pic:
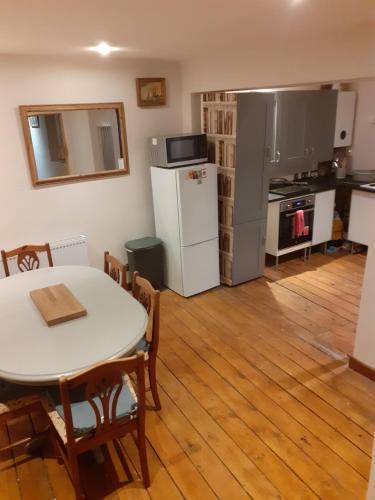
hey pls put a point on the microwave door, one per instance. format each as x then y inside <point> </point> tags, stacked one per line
<point>186,150</point>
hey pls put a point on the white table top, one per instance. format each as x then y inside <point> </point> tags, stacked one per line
<point>33,353</point>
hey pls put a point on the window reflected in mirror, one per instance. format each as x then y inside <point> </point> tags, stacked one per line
<point>75,141</point>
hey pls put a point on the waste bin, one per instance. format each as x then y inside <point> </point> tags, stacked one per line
<point>145,255</point>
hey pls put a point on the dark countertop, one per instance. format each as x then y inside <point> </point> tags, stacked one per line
<point>348,181</point>
<point>321,184</point>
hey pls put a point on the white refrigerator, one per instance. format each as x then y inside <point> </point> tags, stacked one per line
<point>186,220</point>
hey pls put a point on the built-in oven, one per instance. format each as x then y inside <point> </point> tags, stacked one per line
<point>296,221</point>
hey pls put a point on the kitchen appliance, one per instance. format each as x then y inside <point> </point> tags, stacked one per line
<point>363,175</point>
<point>178,150</point>
<point>340,166</point>
<point>288,210</point>
<point>345,112</point>
<point>186,220</point>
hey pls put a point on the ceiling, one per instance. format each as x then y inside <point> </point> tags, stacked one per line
<point>174,29</point>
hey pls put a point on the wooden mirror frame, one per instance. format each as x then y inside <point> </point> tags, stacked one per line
<point>25,111</point>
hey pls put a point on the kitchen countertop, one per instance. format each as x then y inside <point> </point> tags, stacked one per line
<point>321,184</point>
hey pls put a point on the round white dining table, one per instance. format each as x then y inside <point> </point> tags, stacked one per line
<point>33,353</point>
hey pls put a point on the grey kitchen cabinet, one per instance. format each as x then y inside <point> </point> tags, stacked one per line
<point>321,126</point>
<point>291,143</point>
<point>253,147</point>
<point>254,134</point>
<point>304,130</point>
<point>249,241</point>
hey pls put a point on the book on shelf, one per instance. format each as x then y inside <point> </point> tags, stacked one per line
<point>218,97</point>
<point>211,152</point>
<point>227,154</point>
<point>226,240</point>
<point>225,264</point>
<point>219,121</point>
<point>225,213</point>
<point>225,185</point>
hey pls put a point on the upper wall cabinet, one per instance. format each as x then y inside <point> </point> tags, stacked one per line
<point>304,130</point>
<point>345,119</point>
<point>75,141</point>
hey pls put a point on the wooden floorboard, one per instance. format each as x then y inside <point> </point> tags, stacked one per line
<point>258,372</point>
<point>257,399</point>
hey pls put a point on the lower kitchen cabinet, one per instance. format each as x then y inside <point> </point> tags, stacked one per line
<point>249,240</point>
<point>361,217</point>
<point>323,217</point>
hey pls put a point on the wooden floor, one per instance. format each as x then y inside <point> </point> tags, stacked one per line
<point>257,398</point>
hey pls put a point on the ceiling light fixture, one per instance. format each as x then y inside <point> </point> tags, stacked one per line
<point>104,48</point>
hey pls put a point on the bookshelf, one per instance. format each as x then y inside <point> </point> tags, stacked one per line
<point>219,122</point>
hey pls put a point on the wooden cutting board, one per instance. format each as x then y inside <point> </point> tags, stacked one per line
<point>57,304</point>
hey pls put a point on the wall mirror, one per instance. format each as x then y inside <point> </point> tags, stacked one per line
<point>75,141</point>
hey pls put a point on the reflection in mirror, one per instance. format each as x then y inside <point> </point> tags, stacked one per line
<point>75,143</point>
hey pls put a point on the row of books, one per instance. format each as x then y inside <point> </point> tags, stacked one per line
<point>225,264</point>
<point>227,154</point>
<point>225,240</point>
<point>225,213</point>
<point>219,121</point>
<point>219,97</point>
<point>225,185</point>
<point>211,152</point>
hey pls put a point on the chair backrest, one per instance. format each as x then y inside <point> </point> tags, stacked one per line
<point>27,257</point>
<point>102,385</point>
<point>116,270</point>
<point>146,294</point>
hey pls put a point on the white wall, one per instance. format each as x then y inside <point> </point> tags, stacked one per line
<point>335,59</point>
<point>109,211</point>
<point>364,129</point>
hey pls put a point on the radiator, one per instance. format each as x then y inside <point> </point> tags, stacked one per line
<point>68,252</point>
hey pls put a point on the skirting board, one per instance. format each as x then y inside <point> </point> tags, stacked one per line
<point>361,368</point>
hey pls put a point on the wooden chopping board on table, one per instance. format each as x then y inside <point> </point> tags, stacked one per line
<point>57,304</point>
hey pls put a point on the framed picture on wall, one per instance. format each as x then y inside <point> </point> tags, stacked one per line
<point>151,92</point>
<point>34,121</point>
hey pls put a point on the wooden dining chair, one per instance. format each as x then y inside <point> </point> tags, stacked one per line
<point>144,292</point>
<point>17,401</point>
<point>27,257</point>
<point>116,270</point>
<point>97,406</point>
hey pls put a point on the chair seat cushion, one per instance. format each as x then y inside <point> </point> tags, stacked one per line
<point>84,420</point>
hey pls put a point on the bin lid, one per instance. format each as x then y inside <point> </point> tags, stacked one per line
<point>143,243</point>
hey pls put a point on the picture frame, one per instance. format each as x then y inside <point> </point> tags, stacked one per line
<point>34,121</point>
<point>151,92</point>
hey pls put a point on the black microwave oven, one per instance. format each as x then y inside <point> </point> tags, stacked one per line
<point>172,151</point>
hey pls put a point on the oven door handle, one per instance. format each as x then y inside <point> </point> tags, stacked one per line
<point>294,213</point>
